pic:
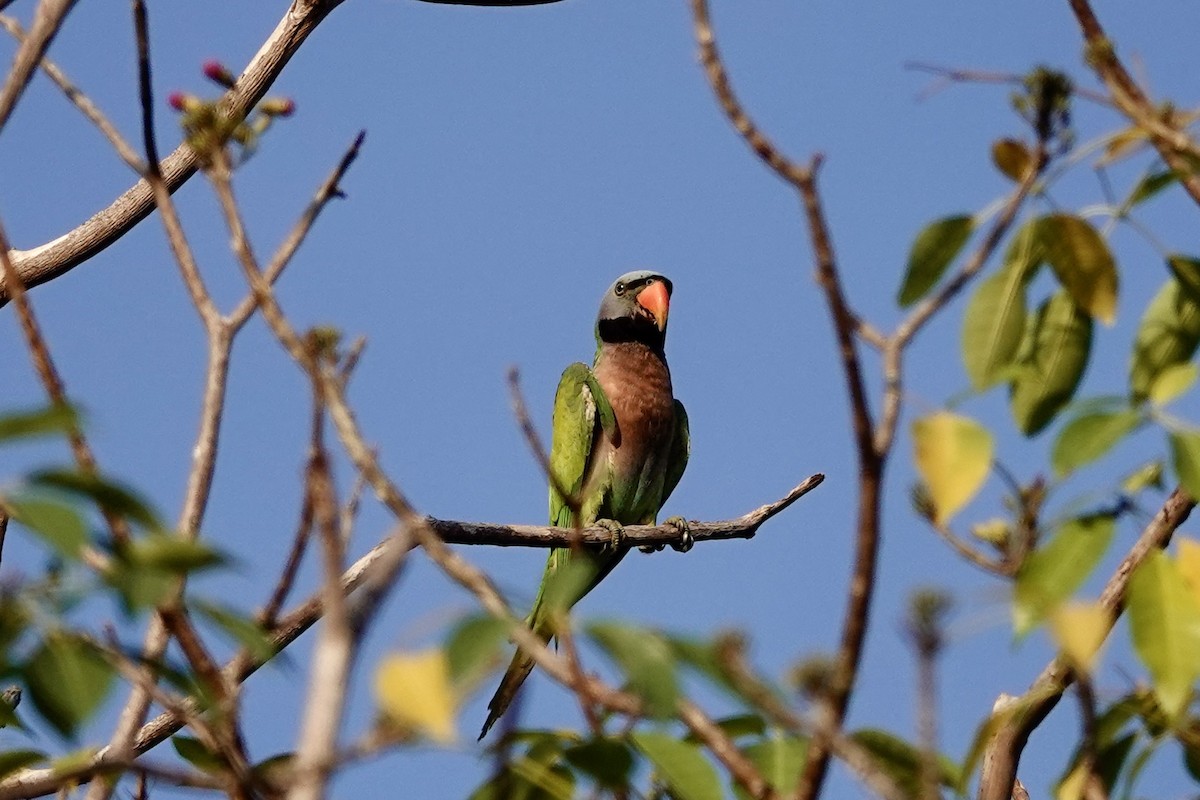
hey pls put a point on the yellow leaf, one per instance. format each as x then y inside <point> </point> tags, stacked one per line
<point>1172,382</point>
<point>953,455</point>
<point>1079,630</point>
<point>1188,559</point>
<point>414,689</point>
<point>1072,786</point>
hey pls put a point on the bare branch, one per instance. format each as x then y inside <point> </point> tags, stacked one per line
<point>48,261</point>
<point>958,75</point>
<point>47,20</point>
<point>893,350</point>
<point>81,101</point>
<point>328,190</point>
<point>1177,149</point>
<point>51,380</point>
<point>1003,754</point>
<point>336,647</point>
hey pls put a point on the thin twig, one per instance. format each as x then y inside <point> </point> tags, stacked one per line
<point>334,654</point>
<point>47,21</point>
<point>738,670</point>
<point>959,75</point>
<point>292,565</point>
<point>329,190</point>
<point>1173,144</point>
<point>52,382</point>
<point>846,328</point>
<point>81,101</point>
<point>993,566</point>
<point>50,260</point>
<point>912,324</point>
<point>186,710</point>
<point>529,431</point>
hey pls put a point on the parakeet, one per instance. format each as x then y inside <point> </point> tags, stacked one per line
<point>619,445</point>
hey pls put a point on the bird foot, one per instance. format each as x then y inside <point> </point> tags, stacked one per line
<point>685,542</point>
<point>616,529</point>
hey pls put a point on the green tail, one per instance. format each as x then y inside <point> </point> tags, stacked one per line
<point>517,672</point>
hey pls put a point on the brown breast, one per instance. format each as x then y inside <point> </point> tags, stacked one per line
<point>637,382</point>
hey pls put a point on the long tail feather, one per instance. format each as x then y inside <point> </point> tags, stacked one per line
<point>510,684</point>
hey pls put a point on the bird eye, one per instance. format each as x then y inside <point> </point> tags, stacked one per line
<point>620,290</point>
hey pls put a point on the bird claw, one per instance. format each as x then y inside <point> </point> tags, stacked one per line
<point>684,543</point>
<point>616,529</point>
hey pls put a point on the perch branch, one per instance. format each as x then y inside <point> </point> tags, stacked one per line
<point>743,527</point>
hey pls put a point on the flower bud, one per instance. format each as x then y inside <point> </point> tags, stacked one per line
<point>277,107</point>
<point>217,72</point>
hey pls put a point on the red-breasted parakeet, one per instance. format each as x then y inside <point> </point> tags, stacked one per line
<point>619,445</point>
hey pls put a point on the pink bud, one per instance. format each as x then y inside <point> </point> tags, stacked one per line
<point>177,100</point>
<point>217,72</point>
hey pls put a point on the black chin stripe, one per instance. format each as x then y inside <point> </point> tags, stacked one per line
<point>631,329</point>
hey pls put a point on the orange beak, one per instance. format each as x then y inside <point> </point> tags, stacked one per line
<point>655,299</point>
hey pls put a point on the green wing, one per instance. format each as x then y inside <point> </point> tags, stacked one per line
<point>681,450</point>
<point>581,412</point>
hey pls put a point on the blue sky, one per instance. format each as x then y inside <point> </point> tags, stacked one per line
<point>517,161</point>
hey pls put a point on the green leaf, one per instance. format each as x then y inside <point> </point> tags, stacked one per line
<point>1082,262</point>
<point>474,648</point>
<point>1089,436</point>
<point>993,326</point>
<point>139,588</point>
<point>57,524</point>
<point>106,493</point>
<point>1164,622</point>
<point>14,760</point>
<point>1057,344</point>
<point>1168,334</point>
<point>1185,455</point>
<point>702,657</point>
<point>172,554</point>
<point>780,760</point>
<point>67,681</point>
<point>195,753</point>
<point>542,773</point>
<point>244,630</point>
<point>56,419</point>
<point>680,765</point>
<point>607,761</point>
<point>1054,572</point>
<point>738,726</point>
<point>647,661</point>
<point>953,455</point>
<point>902,762</point>
<point>1147,476</point>
<point>1151,185</point>
<point>1109,761</point>
<point>1187,271</point>
<point>934,250</point>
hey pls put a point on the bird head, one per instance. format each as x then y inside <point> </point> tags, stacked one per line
<point>635,308</point>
